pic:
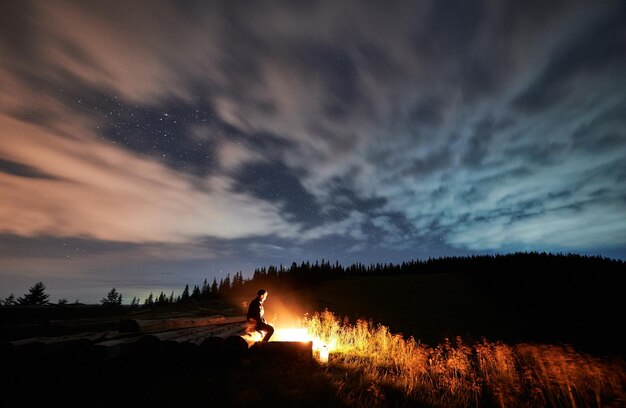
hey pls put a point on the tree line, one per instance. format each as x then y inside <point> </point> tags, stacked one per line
<point>519,269</point>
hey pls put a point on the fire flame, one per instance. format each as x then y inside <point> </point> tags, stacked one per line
<point>290,334</point>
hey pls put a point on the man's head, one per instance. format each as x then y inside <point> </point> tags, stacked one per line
<point>262,295</point>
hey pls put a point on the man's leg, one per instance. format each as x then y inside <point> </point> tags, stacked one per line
<point>269,330</point>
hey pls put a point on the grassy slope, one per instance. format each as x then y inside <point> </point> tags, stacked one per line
<point>431,307</point>
<point>418,305</point>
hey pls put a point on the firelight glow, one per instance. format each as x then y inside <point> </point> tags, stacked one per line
<point>290,334</point>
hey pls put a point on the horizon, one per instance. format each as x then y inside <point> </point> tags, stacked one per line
<point>151,144</point>
<point>141,297</point>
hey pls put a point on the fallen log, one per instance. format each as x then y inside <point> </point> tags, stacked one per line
<point>252,337</point>
<point>99,352</point>
<point>91,336</point>
<point>235,345</point>
<point>198,334</point>
<point>156,325</point>
<point>54,350</point>
<point>212,344</point>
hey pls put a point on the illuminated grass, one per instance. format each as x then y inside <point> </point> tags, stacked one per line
<point>372,366</point>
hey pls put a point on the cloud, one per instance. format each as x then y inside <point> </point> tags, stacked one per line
<point>101,191</point>
<point>596,46</point>
<point>318,118</point>
<point>565,228</point>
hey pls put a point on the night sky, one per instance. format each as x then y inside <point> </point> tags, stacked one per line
<point>146,145</point>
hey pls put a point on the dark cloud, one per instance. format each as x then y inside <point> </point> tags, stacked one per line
<point>435,161</point>
<point>21,170</point>
<point>453,25</point>
<point>602,45</point>
<point>15,27</point>
<point>479,142</point>
<point>342,202</point>
<point>338,72</point>
<point>427,112</point>
<point>484,134</point>
<point>276,183</point>
<point>602,133</point>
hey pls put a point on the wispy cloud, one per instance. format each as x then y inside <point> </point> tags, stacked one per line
<point>101,191</point>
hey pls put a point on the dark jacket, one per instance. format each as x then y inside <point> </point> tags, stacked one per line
<point>255,311</point>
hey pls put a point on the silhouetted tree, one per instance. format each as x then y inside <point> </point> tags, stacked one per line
<point>237,285</point>
<point>204,291</point>
<point>36,295</point>
<point>149,300</point>
<point>113,298</point>
<point>195,294</point>
<point>214,288</point>
<point>224,288</point>
<point>62,301</point>
<point>9,300</point>
<point>185,296</point>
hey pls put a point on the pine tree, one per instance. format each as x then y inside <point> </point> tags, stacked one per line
<point>195,294</point>
<point>204,292</point>
<point>113,298</point>
<point>149,300</point>
<point>36,295</point>
<point>185,296</point>
<point>224,288</point>
<point>214,288</point>
<point>237,285</point>
<point>9,300</point>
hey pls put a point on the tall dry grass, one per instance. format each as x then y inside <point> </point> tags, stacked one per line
<point>373,367</point>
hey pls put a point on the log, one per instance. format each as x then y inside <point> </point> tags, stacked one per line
<point>235,345</point>
<point>212,344</point>
<point>98,352</point>
<point>225,332</point>
<point>147,345</point>
<point>91,336</point>
<point>198,334</point>
<point>252,337</point>
<point>176,348</point>
<point>66,349</point>
<point>156,325</point>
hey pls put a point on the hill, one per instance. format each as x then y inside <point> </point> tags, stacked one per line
<point>579,310</point>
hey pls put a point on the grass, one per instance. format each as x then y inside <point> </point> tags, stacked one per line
<point>370,366</point>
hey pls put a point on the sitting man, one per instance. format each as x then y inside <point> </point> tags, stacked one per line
<point>256,315</point>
